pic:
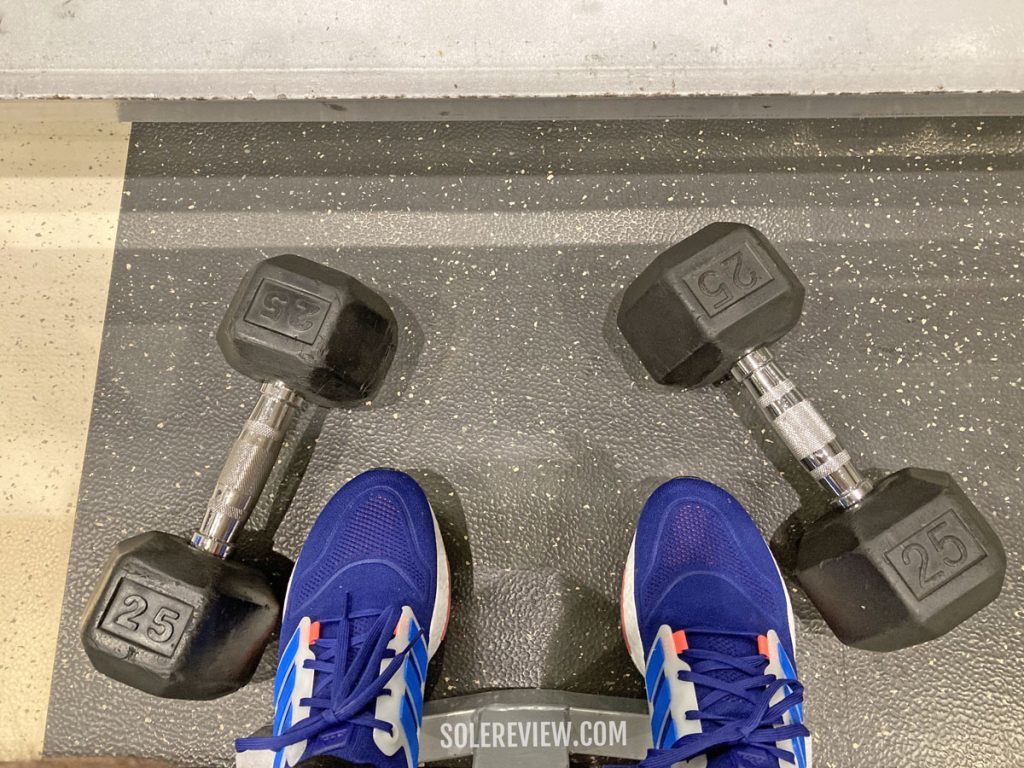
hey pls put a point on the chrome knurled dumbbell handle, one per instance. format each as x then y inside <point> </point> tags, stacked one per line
<point>246,469</point>
<point>797,422</point>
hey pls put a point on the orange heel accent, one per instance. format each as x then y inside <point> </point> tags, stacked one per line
<point>762,645</point>
<point>679,638</point>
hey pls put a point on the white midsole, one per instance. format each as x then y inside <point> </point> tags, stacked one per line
<point>442,593</point>
<point>630,625</point>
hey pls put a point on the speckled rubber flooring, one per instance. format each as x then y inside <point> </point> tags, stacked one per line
<point>505,249</point>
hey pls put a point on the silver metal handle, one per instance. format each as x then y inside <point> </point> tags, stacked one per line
<point>246,469</point>
<point>804,431</point>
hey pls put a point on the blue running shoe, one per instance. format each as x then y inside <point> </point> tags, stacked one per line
<point>707,621</point>
<point>366,608</point>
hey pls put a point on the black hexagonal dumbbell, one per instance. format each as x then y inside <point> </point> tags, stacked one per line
<point>889,566</point>
<point>179,618</point>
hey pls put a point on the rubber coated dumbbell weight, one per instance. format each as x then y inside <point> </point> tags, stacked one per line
<point>890,566</point>
<point>181,619</point>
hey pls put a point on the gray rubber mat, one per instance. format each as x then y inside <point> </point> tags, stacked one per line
<point>505,249</point>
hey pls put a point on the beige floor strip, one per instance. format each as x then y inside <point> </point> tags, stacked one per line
<point>60,191</point>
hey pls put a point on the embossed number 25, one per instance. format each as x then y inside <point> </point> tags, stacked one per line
<point>940,546</point>
<point>743,279</point>
<point>294,310</point>
<point>160,629</point>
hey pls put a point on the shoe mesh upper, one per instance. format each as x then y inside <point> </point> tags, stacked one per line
<point>696,536</point>
<point>376,526</point>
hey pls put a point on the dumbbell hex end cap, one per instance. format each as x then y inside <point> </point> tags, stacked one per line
<point>176,622</point>
<point>706,301</point>
<point>318,330</point>
<point>911,562</point>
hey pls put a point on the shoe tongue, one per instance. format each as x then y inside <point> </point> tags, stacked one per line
<point>729,706</point>
<point>741,758</point>
<point>727,645</point>
<point>336,742</point>
<point>360,626</point>
<point>330,761</point>
<point>356,627</point>
<point>346,740</point>
<point>353,744</point>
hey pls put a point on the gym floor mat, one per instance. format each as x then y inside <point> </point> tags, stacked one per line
<point>504,248</point>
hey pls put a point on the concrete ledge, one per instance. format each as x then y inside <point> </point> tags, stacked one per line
<point>338,59</point>
<point>458,109</point>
